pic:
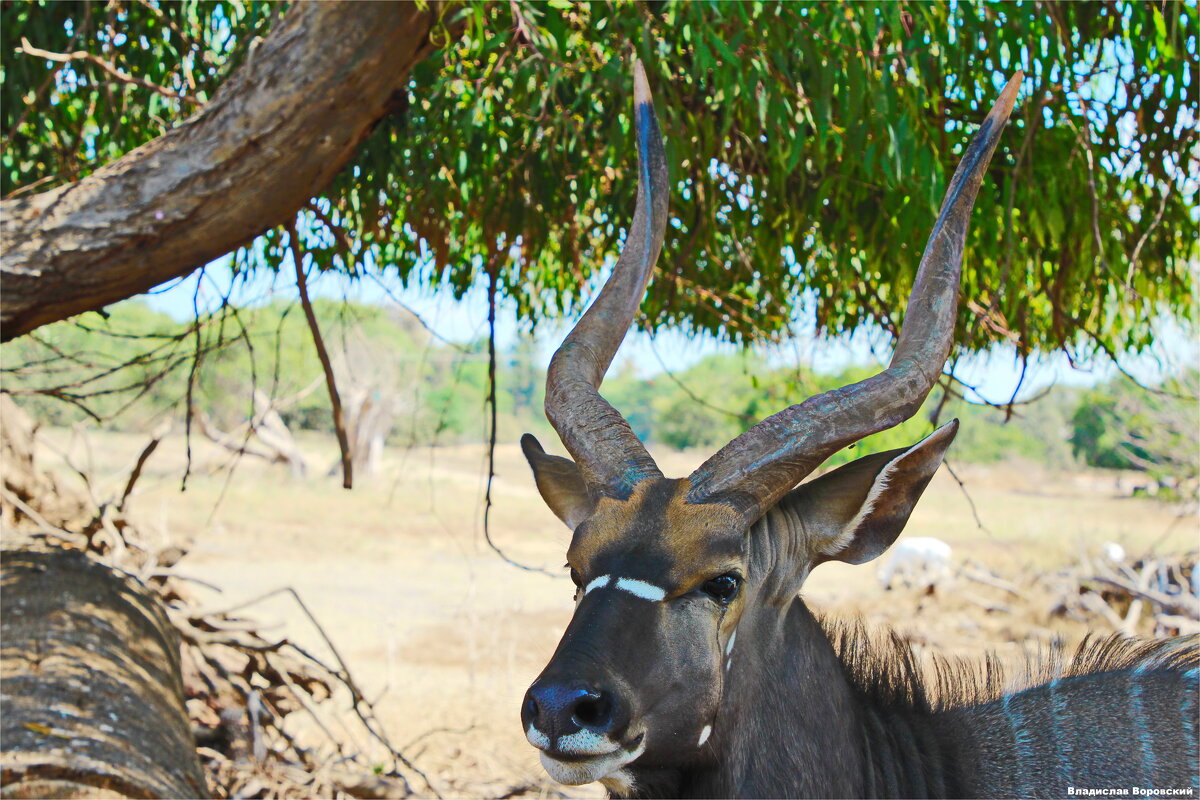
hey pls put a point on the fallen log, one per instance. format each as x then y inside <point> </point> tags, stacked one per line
<point>92,695</point>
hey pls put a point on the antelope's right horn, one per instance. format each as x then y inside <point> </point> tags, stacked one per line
<point>755,470</point>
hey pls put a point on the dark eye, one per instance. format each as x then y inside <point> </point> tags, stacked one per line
<point>723,588</point>
<point>575,579</point>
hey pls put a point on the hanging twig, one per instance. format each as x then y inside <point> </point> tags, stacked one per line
<point>335,400</point>
<point>974,511</point>
<point>143,457</point>
<point>492,270</point>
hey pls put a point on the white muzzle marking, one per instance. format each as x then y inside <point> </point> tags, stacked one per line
<point>536,737</point>
<point>575,773</point>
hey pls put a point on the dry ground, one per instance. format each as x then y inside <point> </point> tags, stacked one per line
<point>446,636</point>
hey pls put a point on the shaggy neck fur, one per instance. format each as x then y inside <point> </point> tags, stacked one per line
<point>820,708</point>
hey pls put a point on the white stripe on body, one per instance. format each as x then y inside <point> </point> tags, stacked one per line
<point>1062,744</point>
<point>1021,743</point>
<point>1137,713</point>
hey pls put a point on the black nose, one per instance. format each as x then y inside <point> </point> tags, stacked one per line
<point>556,709</point>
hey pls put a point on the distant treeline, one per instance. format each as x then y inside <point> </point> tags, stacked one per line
<point>137,366</point>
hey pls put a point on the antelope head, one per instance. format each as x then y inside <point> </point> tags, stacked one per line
<point>667,571</point>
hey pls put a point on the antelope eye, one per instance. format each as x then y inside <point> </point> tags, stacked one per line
<point>722,588</point>
<point>575,579</point>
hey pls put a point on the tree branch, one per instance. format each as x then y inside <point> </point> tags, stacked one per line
<point>335,400</point>
<point>276,132</point>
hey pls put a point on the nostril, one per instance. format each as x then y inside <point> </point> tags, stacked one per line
<point>594,711</point>
<point>530,709</point>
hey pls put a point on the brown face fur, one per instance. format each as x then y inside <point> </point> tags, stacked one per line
<point>655,641</point>
<point>656,536</point>
<point>646,658</point>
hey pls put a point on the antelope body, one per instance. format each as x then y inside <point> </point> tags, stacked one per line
<point>692,668</point>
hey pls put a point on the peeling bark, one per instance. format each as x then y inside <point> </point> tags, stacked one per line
<point>274,135</point>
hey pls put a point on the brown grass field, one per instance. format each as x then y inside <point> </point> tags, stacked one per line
<point>445,636</point>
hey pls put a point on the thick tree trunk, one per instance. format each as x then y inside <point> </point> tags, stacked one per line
<point>274,135</point>
<point>92,693</point>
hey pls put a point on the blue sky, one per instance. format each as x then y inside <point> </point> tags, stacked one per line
<point>995,374</point>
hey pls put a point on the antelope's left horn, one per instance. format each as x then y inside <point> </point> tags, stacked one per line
<point>606,449</point>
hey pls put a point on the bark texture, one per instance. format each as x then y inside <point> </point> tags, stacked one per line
<point>92,693</point>
<point>275,134</point>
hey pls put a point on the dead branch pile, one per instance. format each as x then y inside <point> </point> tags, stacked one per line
<point>1155,595</point>
<point>1161,591</point>
<point>258,706</point>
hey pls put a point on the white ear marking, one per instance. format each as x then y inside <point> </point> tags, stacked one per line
<point>597,583</point>
<point>839,543</point>
<point>704,734</point>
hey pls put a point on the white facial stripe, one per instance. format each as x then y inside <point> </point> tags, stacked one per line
<point>646,591</point>
<point>598,583</point>
<point>536,738</point>
<point>586,743</point>
<point>732,639</point>
<point>704,734</point>
<point>635,587</point>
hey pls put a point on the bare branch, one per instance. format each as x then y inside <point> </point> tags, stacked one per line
<point>121,75</point>
<point>335,400</point>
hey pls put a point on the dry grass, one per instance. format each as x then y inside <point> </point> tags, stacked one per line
<point>446,636</point>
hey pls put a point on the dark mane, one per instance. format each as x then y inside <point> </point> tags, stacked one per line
<point>885,671</point>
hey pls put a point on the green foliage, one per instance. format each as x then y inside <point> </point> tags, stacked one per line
<point>1123,426</point>
<point>809,146</point>
<point>64,118</point>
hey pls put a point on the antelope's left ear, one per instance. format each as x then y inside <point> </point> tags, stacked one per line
<point>855,512</point>
<point>560,483</point>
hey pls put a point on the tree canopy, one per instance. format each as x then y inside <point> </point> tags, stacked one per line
<point>809,146</point>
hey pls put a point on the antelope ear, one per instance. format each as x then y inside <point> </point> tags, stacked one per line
<point>560,483</point>
<point>855,512</point>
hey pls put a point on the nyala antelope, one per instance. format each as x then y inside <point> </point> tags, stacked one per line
<point>692,668</point>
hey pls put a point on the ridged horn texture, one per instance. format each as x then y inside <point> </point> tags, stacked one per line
<point>755,470</point>
<point>606,449</point>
